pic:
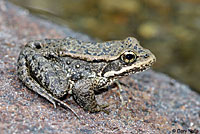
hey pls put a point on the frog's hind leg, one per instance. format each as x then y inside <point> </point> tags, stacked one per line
<point>27,79</point>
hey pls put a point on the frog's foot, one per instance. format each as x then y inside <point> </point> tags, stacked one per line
<point>121,83</point>
<point>55,101</point>
<point>64,105</point>
<point>99,108</point>
<point>32,84</point>
<point>121,92</point>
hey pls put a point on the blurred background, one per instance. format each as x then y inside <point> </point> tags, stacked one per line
<point>169,28</point>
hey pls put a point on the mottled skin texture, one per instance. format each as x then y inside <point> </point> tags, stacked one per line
<point>56,67</point>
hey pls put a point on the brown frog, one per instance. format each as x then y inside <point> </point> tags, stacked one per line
<point>56,67</point>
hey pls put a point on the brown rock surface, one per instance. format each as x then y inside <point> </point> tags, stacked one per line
<point>155,102</point>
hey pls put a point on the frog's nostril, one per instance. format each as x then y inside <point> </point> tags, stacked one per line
<point>37,45</point>
<point>146,55</point>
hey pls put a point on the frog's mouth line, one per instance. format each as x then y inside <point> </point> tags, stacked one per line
<point>135,68</point>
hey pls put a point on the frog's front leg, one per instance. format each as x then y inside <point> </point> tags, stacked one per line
<point>83,94</point>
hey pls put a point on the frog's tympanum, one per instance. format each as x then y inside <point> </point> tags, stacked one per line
<point>56,67</point>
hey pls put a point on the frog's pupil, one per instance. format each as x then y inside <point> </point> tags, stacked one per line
<point>129,56</point>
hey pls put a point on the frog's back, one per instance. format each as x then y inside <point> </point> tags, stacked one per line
<point>109,50</point>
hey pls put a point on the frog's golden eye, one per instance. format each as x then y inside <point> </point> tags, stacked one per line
<point>128,57</point>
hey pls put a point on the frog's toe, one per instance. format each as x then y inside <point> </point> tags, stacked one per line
<point>53,102</point>
<point>103,106</point>
<point>105,111</point>
<point>99,108</point>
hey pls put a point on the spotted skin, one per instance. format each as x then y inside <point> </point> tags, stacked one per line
<point>56,67</point>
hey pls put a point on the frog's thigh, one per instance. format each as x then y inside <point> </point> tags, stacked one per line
<point>51,77</point>
<point>32,84</point>
<point>24,75</point>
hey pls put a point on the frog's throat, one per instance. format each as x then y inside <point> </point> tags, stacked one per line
<point>134,68</point>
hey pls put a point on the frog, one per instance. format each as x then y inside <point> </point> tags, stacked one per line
<point>54,68</point>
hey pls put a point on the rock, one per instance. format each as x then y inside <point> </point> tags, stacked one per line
<point>156,103</point>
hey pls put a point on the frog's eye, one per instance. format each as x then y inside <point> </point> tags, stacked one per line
<point>128,57</point>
